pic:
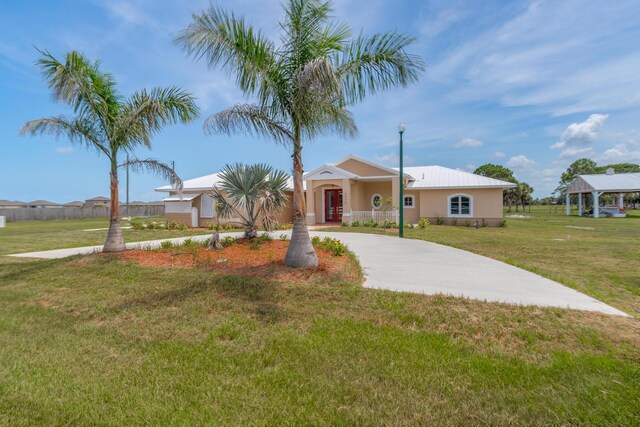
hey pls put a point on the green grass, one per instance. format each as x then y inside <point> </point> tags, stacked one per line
<point>31,236</point>
<point>600,258</point>
<point>93,340</point>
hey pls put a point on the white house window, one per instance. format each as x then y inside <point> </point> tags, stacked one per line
<point>408,202</point>
<point>460,205</point>
<point>207,206</point>
<point>376,201</point>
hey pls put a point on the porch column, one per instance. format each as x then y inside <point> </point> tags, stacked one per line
<point>311,210</point>
<point>579,204</point>
<point>621,201</point>
<point>567,204</point>
<point>395,192</point>
<point>596,204</point>
<point>346,200</point>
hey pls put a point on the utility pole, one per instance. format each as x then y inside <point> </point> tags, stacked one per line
<point>401,129</point>
<point>127,184</point>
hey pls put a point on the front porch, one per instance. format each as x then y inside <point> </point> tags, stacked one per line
<point>347,200</point>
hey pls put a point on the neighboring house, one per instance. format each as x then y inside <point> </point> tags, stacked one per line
<point>100,201</point>
<point>11,204</point>
<point>74,204</point>
<point>42,204</point>
<point>355,189</point>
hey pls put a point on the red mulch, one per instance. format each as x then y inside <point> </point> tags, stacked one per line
<point>240,259</point>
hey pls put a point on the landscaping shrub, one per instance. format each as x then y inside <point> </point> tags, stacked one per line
<point>439,221</point>
<point>188,242</point>
<point>344,224</point>
<point>355,224</point>
<point>228,241</point>
<point>166,244</point>
<point>423,223</point>
<point>284,237</point>
<point>286,226</point>
<point>409,225</point>
<point>454,222</point>
<point>333,246</point>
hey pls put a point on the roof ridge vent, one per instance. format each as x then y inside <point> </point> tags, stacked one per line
<point>611,171</point>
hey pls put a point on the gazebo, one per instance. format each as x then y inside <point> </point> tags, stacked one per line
<point>599,184</point>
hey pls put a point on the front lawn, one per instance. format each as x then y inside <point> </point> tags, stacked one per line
<point>32,236</point>
<point>98,340</point>
<point>599,257</point>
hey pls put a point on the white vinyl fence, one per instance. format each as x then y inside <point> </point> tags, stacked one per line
<point>378,216</point>
<point>27,214</point>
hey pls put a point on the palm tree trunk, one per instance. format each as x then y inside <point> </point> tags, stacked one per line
<point>300,253</point>
<point>115,241</point>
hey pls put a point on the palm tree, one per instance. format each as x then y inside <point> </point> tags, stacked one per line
<point>107,122</point>
<point>302,87</point>
<point>524,192</point>
<point>253,193</point>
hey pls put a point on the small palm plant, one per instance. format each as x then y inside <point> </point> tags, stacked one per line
<point>108,123</point>
<point>253,193</point>
<point>302,86</point>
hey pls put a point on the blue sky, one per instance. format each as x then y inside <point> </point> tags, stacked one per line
<point>529,84</point>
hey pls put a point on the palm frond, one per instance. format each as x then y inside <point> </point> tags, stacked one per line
<point>248,119</point>
<point>78,130</point>
<point>81,84</point>
<point>146,112</point>
<point>222,38</point>
<point>157,168</point>
<point>373,64</point>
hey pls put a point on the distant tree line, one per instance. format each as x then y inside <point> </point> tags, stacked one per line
<point>520,195</point>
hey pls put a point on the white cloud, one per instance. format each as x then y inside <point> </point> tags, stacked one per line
<point>520,162</point>
<point>442,22</point>
<point>581,134</point>
<point>393,159</point>
<point>620,153</point>
<point>525,61</point>
<point>499,154</point>
<point>468,143</point>
<point>128,12</point>
<point>64,150</point>
<point>573,153</point>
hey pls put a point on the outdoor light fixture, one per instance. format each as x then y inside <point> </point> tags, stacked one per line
<point>401,129</point>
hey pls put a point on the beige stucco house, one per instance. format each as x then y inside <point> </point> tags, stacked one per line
<point>356,189</point>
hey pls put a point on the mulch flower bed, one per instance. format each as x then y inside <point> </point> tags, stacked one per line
<point>245,259</point>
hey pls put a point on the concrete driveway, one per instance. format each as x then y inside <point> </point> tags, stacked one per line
<point>417,266</point>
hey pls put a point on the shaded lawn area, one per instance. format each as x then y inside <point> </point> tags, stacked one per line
<point>95,340</point>
<point>599,257</point>
<point>32,236</point>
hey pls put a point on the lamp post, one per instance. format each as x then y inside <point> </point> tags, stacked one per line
<point>401,129</point>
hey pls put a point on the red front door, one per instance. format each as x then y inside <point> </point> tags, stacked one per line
<point>333,205</point>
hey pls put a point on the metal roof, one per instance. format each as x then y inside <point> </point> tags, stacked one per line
<point>435,177</point>
<point>181,198</point>
<point>421,177</point>
<point>204,183</point>
<point>618,182</point>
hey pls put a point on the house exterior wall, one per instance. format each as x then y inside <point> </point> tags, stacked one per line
<point>487,205</point>
<point>285,216</point>
<point>362,169</point>
<point>412,215</point>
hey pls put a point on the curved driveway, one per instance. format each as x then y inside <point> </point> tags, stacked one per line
<point>418,266</point>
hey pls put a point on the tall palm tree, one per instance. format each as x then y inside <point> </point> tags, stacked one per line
<point>301,86</point>
<point>107,122</point>
<point>253,193</point>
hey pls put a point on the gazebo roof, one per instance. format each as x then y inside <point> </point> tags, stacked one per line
<point>615,183</point>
